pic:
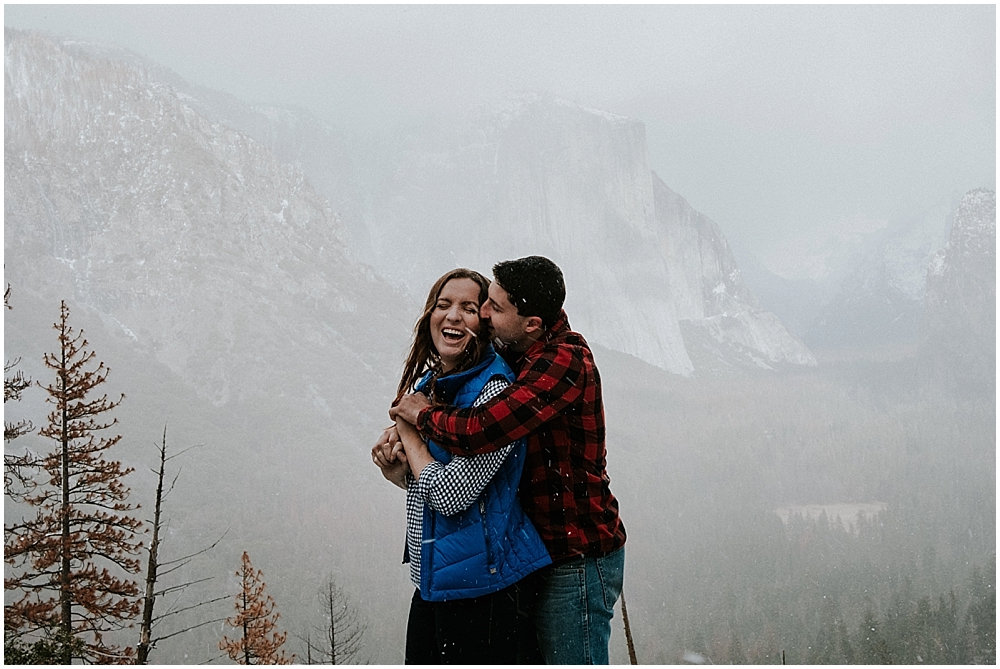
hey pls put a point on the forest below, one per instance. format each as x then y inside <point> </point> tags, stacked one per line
<point>714,574</point>
<point>723,579</point>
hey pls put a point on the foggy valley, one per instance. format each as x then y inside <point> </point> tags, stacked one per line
<point>801,419</point>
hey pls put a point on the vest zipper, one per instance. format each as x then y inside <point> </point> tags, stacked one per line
<point>486,534</point>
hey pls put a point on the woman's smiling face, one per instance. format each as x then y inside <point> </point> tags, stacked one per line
<point>455,320</point>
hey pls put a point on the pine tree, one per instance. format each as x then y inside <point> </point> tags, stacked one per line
<point>71,561</point>
<point>256,619</point>
<point>981,617</point>
<point>844,643</point>
<point>18,480</point>
<point>16,468</point>
<point>872,645</point>
<point>736,654</point>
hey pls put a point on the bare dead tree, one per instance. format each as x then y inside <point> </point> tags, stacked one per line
<point>342,632</point>
<point>153,565</point>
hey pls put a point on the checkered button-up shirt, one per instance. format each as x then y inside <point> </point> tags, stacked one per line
<point>449,488</point>
<point>556,403</point>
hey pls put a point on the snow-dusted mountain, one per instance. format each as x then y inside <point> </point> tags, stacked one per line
<point>958,331</point>
<point>721,320</point>
<point>540,175</point>
<point>861,282</point>
<point>215,283</point>
<point>296,136</point>
<point>191,237</point>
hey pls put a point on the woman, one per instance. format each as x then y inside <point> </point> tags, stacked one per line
<point>468,541</point>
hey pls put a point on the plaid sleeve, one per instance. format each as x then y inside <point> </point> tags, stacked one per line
<point>453,487</point>
<point>551,383</point>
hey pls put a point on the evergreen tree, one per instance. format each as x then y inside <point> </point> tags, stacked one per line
<point>256,619</point>
<point>981,618</point>
<point>951,649</point>
<point>873,648</point>
<point>844,643</point>
<point>40,651</point>
<point>71,561</point>
<point>736,654</point>
<point>824,649</point>
<point>16,477</point>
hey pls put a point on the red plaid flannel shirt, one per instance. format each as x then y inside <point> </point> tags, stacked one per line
<point>556,403</point>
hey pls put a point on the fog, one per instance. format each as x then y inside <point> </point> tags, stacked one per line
<point>777,226</point>
<point>770,120</point>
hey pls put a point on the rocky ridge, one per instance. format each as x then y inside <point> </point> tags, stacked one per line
<point>188,236</point>
<point>540,175</point>
<point>958,330</point>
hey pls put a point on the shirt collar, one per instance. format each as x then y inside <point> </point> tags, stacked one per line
<point>559,327</point>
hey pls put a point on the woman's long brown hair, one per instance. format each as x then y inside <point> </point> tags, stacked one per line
<point>423,355</point>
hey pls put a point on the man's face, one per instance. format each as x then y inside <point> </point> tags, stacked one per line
<point>498,312</point>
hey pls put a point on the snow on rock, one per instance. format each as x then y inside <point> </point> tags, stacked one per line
<point>958,331</point>
<point>543,176</point>
<point>186,235</point>
<point>163,199</point>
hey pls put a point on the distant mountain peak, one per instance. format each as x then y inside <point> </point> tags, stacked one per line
<point>540,175</point>
<point>958,331</point>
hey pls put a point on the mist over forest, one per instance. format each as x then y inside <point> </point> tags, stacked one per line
<point>801,422</point>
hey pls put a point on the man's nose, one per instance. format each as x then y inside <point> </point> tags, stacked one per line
<point>485,311</point>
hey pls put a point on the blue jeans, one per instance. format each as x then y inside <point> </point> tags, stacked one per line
<point>575,605</point>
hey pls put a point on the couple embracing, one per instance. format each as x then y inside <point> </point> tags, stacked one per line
<point>514,541</point>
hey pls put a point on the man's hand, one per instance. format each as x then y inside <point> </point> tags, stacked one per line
<point>409,406</point>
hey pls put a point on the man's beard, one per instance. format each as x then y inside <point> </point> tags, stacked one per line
<point>498,343</point>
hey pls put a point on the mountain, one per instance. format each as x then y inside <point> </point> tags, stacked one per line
<point>190,236</point>
<point>882,299</point>
<point>222,289</point>
<point>645,273</point>
<point>296,136</point>
<point>216,284</point>
<point>861,282</point>
<point>798,303</point>
<point>722,322</point>
<point>958,330</point>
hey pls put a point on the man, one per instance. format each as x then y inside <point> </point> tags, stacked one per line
<point>556,403</point>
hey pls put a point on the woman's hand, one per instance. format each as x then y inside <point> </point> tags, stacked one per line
<point>389,456</point>
<point>396,473</point>
<point>417,453</point>
<point>387,447</point>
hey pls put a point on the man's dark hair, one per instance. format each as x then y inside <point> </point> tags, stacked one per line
<point>534,285</point>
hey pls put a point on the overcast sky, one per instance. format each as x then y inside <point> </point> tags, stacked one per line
<point>769,119</point>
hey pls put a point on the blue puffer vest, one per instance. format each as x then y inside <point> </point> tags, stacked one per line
<point>492,544</point>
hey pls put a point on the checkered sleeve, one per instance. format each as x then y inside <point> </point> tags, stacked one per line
<point>453,487</point>
<point>550,385</point>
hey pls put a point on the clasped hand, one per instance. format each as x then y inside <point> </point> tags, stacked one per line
<point>390,457</point>
<point>409,407</point>
<point>389,453</point>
